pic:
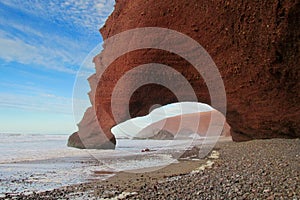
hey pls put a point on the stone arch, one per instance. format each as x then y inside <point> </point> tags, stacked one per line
<point>262,81</point>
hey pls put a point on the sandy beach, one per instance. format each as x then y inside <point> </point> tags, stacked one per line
<point>260,169</point>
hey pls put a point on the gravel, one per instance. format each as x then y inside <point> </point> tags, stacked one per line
<point>260,169</point>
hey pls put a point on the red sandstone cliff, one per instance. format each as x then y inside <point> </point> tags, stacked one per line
<point>255,45</point>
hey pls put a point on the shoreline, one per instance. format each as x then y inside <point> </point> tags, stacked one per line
<point>267,169</point>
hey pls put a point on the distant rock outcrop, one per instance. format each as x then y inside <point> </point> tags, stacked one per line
<point>255,45</point>
<point>162,135</point>
<point>184,125</point>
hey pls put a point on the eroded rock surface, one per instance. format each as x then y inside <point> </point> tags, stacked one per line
<point>255,45</point>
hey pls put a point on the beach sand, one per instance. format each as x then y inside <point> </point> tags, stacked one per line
<point>260,169</point>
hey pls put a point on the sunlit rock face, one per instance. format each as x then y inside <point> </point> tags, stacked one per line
<point>205,124</point>
<point>185,117</point>
<point>255,45</point>
<point>90,135</point>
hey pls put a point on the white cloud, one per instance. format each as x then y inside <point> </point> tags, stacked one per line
<point>28,88</point>
<point>45,103</point>
<point>90,14</point>
<point>30,97</point>
<point>53,51</point>
<point>19,51</point>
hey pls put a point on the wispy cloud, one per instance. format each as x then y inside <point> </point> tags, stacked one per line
<point>55,36</point>
<point>89,14</point>
<point>44,102</point>
<point>19,51</point>
<point>30,97</point>
<point>27,88</point>
<point>53,49</point>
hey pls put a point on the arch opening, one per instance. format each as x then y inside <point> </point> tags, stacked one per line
<point>181,120</point>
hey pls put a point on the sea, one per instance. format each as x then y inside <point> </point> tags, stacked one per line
<point>38,162</point>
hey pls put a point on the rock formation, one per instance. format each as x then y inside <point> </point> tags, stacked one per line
<point>157,135</point>
<point>163,135</point>
<point>182,125</point>
<point>255,45</point>
<point>191,153</point>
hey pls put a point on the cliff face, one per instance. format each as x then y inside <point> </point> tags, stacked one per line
<point>255,45</point>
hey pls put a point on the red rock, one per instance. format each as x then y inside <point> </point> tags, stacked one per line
<point>255,45</point>
<point>183,125</point>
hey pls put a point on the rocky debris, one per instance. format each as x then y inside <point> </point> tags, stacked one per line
<point>261,169</point>
<point>190,153</point>
<point>145,150</point>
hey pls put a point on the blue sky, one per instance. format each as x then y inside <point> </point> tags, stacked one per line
<point>43,44</point>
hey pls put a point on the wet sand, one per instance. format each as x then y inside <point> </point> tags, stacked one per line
<point>261,169</point>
